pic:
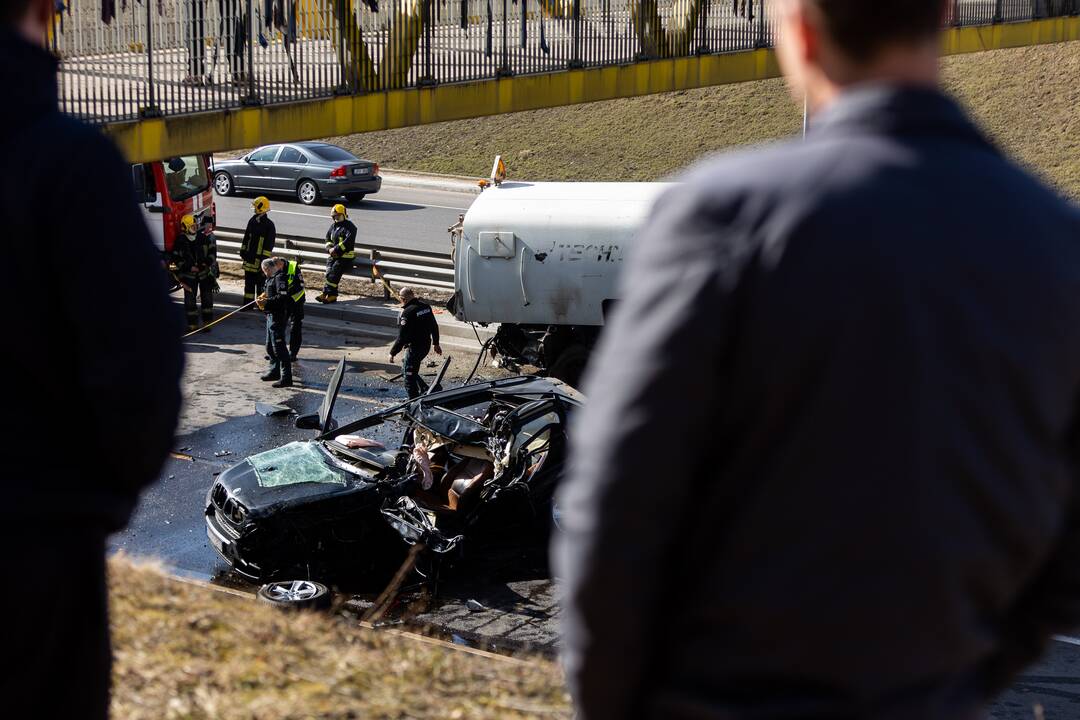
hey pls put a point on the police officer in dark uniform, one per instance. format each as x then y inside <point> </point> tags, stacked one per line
<point>275,303</point>
<point>257,245</point>
<point>195,256</point>
<point>418,332</point>
<point>295,282</point>
<point>341,245</point>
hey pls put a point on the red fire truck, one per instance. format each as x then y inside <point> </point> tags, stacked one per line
<point>169,189</point>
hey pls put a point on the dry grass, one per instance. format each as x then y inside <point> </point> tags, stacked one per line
<point>184,651</point>
<point>1028,99</point>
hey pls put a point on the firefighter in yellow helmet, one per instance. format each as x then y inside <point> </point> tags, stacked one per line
<point>195,256</point>
<point>341,246</point>
<point>257,245</point>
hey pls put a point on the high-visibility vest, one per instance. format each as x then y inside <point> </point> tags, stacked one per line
<point>296,279</point>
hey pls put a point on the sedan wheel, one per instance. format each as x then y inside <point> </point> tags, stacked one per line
<point>295,594</point>
<point>307,192</point>
<point>223,184</point>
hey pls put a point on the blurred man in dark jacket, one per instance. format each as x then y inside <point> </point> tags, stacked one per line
<point>829,468</point>
<point>94,393</point>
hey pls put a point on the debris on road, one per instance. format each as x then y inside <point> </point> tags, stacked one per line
<point>474,605</point>
<point>181,456</point>
<point>268,410</point>
<point>222,453</point>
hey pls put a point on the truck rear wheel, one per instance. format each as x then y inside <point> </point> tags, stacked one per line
<point>569,366</point>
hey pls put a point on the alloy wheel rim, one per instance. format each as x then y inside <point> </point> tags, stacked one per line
<point>294,591</point>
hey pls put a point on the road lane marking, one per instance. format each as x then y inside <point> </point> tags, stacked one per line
<point>418,206</point>
<point>1067,640</point>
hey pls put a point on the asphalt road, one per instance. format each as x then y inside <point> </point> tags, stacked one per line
<point>399,217</point>
<point>219,427</point>
<point>514,606</point>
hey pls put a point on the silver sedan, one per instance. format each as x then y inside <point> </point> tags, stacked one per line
<point>311,171</point>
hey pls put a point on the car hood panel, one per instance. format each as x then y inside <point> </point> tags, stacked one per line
<point>244,484</point>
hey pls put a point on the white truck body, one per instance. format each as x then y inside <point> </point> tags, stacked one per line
<point>547,254</point>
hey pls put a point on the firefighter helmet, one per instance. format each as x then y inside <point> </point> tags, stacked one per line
<point>261,205</point>
<point>338,209</point>
<point>187,224</point>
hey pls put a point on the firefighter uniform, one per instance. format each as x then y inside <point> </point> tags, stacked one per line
<point>276,307</point>
<point>341,246</point>
<point>195,256</point>
<point>295,284</point>
<point>417,331</point>
<point>257,245</point>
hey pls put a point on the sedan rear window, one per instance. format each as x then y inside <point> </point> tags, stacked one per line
<point>331,153</point>
<point>291,155</point>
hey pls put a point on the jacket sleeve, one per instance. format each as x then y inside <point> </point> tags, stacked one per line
<point>635,451</point>
<point>211,248</point>
<point>433,328</point>
<point>245,244</point>
<point>127,368</point>
<point>1051,604</point>
<point>271,237</point>
<point>401,334</point>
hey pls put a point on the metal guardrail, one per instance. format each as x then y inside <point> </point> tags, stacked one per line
<point>412,267</point>
<point>123,61</point>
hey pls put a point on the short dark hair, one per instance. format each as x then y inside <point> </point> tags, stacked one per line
<point>861,28</point>
<point>13,11</point>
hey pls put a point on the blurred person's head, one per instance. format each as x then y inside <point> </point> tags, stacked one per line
<point>826,46</point>
<point>29,18</point>
<point>406,294</point>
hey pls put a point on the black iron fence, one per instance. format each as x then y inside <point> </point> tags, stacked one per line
<point>126,59</point>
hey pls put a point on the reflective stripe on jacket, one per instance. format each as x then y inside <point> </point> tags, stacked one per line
<point>341,237</point>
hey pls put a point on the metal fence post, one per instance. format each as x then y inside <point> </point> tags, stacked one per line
<point>575,58</point>
<point>428,78</point>
<point>249,23</point>
<point>761,23</point>
<point>151,109</point>
<point>997,11</point>
<point>504,69</point>
<point>701,28</point>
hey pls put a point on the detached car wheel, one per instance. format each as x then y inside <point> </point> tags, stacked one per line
<point>307,192</point>
<point>296,595</point>
<point>223,184</point>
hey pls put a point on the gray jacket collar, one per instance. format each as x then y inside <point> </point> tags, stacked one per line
<point>899,111</point>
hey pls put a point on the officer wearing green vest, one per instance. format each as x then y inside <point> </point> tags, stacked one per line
<point>257,245</point>
<point>341,246</point>
<point>295,281</point>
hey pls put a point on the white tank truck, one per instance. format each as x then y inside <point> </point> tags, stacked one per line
<point>541,260</point>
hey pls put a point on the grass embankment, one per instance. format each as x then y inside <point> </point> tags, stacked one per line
<point>1027,99</point>
<point>184,651</point>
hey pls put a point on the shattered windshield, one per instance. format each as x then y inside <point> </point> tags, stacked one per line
<point>292,464</point>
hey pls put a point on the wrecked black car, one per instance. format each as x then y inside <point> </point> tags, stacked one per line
<point>433,471</point>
